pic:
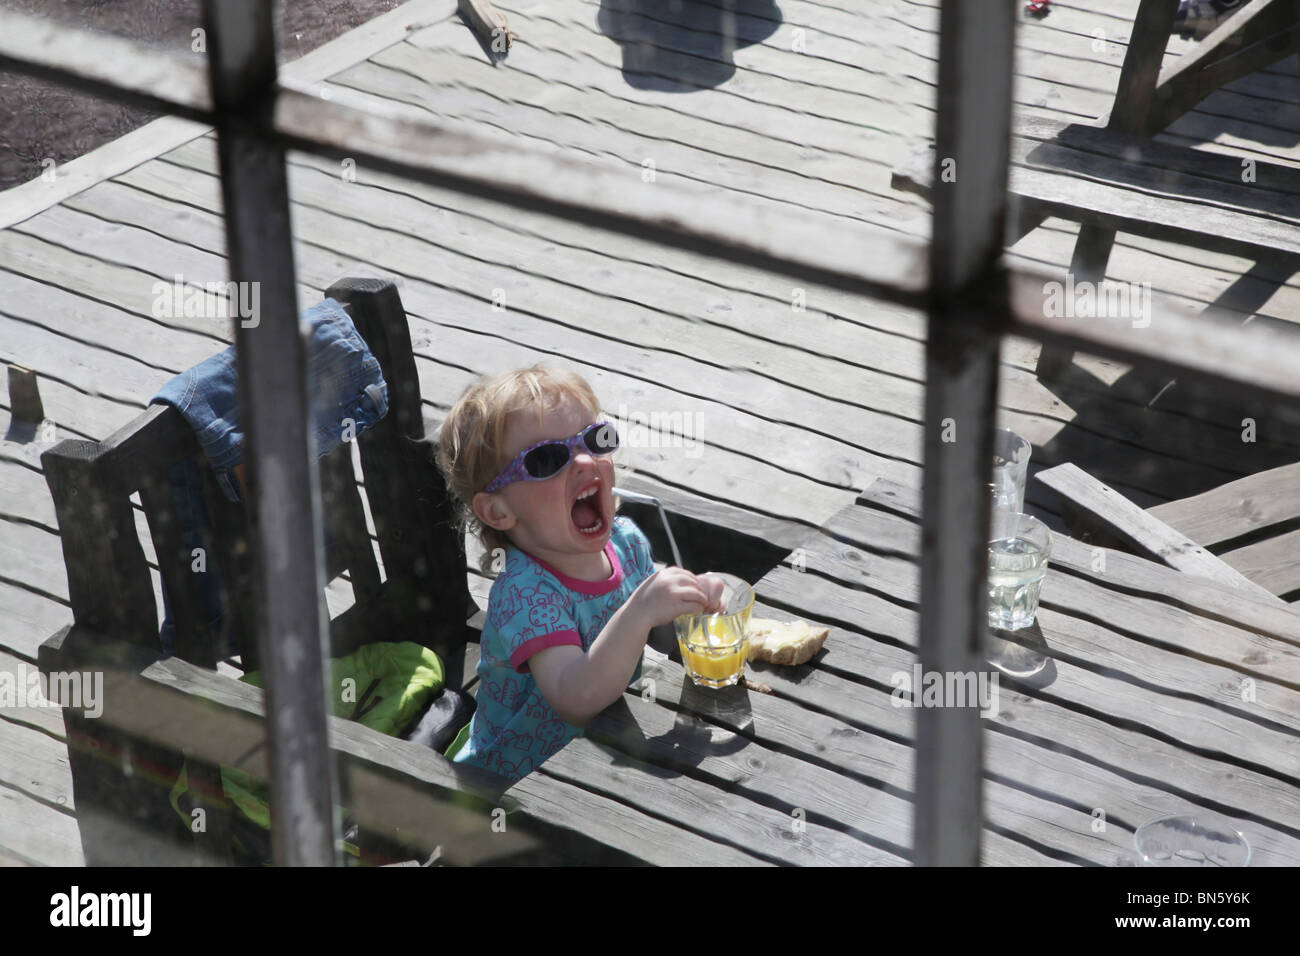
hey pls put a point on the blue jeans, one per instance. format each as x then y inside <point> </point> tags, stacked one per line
<point>348,395</point>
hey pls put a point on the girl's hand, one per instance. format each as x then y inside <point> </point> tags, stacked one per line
<point>672,592</point>
<point>713,588</point>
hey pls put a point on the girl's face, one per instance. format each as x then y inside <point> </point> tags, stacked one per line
<point>558,519</point>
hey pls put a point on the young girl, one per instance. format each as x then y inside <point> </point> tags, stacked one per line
<point>527,458</point>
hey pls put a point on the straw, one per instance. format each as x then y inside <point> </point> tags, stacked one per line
<point>651,500</point>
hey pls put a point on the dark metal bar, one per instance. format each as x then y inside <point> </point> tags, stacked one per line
<point>285,501</point>
<point>967,310</point>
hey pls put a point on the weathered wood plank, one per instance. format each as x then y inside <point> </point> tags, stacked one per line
<point>1091,717</point>
<point>31,558</point>
<point>1274,184</point>
<point>48,720</point>
<point>770,349</point>
<point>888,526</point>
<point>1036,763</point>
<point>580,120</point>
<point>32,762</point>
<point>1093,502</point>
<point>36,833</point>
<point>713,751</point>
<point>557,38</point>
<point>30,618</point>
<point>1112,192</point>
<point>129,287</point>
<point>75,413</point>
<point>1236,508</point>
<point>711,811</point>
<point>1273,564</point>
<point>877,391</point>
<point>829,741</point>
<point>744,391</point>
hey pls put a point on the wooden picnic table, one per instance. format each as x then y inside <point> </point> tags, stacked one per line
<point>1162,694</point>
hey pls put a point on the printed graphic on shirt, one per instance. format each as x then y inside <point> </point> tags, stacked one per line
<point>532,607</point>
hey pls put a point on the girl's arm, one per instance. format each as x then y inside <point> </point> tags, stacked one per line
<point>579,685</point>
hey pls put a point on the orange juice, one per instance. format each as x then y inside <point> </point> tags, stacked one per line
<point>714,651</point>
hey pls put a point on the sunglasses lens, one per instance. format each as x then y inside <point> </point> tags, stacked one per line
<point>546,460</point>
<point>601,439</point>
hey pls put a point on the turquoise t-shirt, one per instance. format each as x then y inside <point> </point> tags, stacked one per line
<point>531,607</point>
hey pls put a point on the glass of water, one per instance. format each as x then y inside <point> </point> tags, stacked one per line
<point>1192,839</point>
<point>1018,557</point>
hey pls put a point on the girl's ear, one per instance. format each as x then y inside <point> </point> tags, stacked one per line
<point>493,511</point>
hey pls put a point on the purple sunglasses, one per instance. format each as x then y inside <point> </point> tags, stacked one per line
<point>548,458</point>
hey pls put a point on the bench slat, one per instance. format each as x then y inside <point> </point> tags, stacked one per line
<point>1273,564</point>
<point>1091,501</point>
<point>1097,176</point>
<point>194,640</point>
<point>348,542</point>
<point>1237,508</point>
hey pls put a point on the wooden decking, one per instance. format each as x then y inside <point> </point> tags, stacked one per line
<point>788,413</point>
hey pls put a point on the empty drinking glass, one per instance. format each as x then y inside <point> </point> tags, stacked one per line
<point>1010,473</point>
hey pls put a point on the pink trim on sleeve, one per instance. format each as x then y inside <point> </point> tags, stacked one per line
<point>519,659</point>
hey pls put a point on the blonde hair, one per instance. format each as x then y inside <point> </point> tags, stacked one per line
<point>470,442</point>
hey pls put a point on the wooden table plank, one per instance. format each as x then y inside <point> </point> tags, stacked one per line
<point>1237,508</point>
<point>1273,564</point>
<point>1164,646</point>
<point>1017,753</point>
<point>778,726</point>
<point>1130,769</point>
<point>767,834</point>
<point>891,533</point>
<point>1095,503</point>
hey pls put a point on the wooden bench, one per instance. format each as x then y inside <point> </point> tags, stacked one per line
<point>1087,173</point>
<point>157,712</point>
<point>1111,177</point>
<point>1179,533</point>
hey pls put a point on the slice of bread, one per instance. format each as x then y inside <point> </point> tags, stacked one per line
<point>784,642</point>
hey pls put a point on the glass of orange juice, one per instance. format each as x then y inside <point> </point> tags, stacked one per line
<point>715,646</point>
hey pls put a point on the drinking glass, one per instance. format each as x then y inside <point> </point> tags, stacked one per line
<point>1017,566</point>
<point>1010,473</point>
<point>715,646</point>
<point>1192,839</point>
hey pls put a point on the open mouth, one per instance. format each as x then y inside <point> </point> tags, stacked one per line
<point>586,511</point>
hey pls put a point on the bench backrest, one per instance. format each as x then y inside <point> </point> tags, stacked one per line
<point>424,596</point>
